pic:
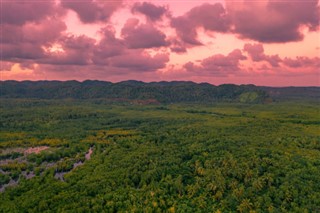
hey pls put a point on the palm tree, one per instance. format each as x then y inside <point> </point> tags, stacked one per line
<point>245,205</point>
<point>212,187</point>
<point>248,175</point>
<point>218,195</point>
<point>238,193</point>
<point>268,178</point>
<point>258,184</point>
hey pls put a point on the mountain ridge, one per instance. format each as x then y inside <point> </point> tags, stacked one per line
<point>162,91</point>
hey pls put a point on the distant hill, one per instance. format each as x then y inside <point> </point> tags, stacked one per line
<point>293,93</point>
<point>154,92</point>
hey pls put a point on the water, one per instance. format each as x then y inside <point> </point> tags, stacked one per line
<point>59,175</point>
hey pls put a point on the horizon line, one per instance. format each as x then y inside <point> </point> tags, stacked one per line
<point>148,82</point>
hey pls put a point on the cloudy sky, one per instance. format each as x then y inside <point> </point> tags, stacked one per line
<point>261,42</point>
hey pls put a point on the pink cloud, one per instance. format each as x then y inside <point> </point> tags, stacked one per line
<point>28,41</point>
<point>256,52</point>
<point>177,46</point>
<point>75,51</point>
<point>142,36</point>
<point>273,21</point>
<point>36,40</point>
<point>22,51</point>
<point>91,11</point>
<point>42,31</point>
<point>17,12</point>
<point>301,62</point>
<point>266,21</point>
<point>210,17</point>
<point>151,11</point>
<point>108,46</point>
<point>218,65</point>
<point>6,65</point>
<point>137,60</point>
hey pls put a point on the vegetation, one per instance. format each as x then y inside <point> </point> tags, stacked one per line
<point>131,91</point>
<point>138,92</point>
<point>217,157</point>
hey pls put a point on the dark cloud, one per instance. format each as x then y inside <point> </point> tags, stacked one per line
<point>223,64</point>
<point>264,21</point>
<point>273,60</point>
<point>108,46</point>
<point>33,32</point>
<point>46,44</point>
<point>19,12</point>
<point>281,65</point>
<point>219,64</point>
<point>28,28</point>
<point>142,36</point>
<point>177,46</point>
<point>186,31</point>
<point>137,60</point>
<point>22,51</point>
<point>190,66</point>
<point>113,53</point>
<point>108,52</point>
<point>211,17</point>
<point>273,21</point>
<point>91,11</point>
<point>256,52</point>
<point>30,40</point>
<point>150,10</point>
<point>46,31</point>
<point>6,65</point>
<point>11,34</point>
<point>302,62</point>
<point>76,50</point>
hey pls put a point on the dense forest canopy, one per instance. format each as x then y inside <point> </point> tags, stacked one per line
<point>65,147</point>
<point>163,92</point>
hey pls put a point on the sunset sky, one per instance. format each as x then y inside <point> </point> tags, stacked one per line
<point>273,43</point>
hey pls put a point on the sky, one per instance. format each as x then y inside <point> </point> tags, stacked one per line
<point>262,42</point>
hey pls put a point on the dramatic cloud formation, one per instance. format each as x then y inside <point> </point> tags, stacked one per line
<point>140,61</point>
<point>219,42</point>
<point>177,46</point>
<point>19,12</point>
<point>108,46</point>
<point>301,62</point>
<point>91,11</point>
<point>219,64</point>
<point>210,17</point>
<point>273,21</point>
<point>142,36</point>
<point>29,40</point>
<point>256,53</point>
<point>151,11</point>
<point>74,51</point>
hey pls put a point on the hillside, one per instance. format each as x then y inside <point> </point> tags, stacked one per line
<point>154,92</point>
<point>163,92</point>
<point>293,93</point>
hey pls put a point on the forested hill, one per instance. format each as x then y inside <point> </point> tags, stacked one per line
<point>154,92</point>
<point>293,93</point>
<point>163,92</point>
